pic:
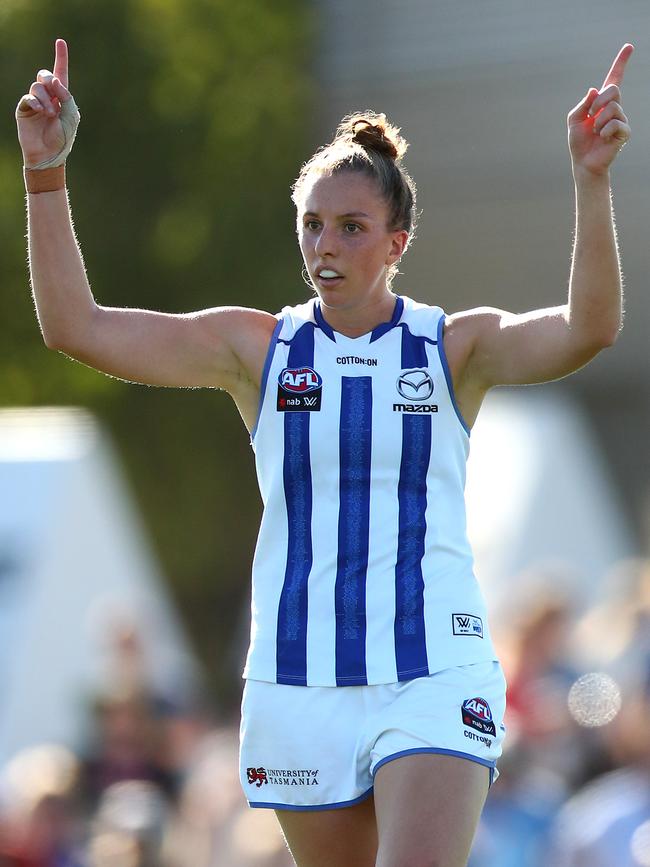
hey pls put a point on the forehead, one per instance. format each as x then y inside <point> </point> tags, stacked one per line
<point>343,193</point>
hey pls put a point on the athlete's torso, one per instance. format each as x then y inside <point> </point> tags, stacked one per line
<point>362,573</point>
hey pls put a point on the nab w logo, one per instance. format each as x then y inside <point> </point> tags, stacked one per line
<point>300,389</point>
<point>467,624</point>
<point>299,380</point>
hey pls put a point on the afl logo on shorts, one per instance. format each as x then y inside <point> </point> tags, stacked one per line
<point>299,390</point>
<point>476,713</point>
<point>415,385</point>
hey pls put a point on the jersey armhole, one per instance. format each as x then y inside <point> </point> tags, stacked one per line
<point>447,372</point>
<point>265,375</point>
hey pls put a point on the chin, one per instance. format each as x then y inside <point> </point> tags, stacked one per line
<point>333,298</point>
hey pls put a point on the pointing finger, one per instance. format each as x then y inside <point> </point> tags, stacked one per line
<point>615,74</point>
<point>61,62</point>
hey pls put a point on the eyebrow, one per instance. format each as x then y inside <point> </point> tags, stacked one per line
<point>342,216</point>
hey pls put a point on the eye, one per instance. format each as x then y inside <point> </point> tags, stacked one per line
<point>312,225</point>
<point>352,228</point>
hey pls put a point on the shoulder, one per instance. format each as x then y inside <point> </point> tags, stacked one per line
<point>292,318</point>
<point>240,326</point>
<point>460,330</point>
<point>468,324</point>
<point>465,330</point>
<point>422,319</point>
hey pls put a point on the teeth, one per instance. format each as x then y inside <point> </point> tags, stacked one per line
<point>328,273</point>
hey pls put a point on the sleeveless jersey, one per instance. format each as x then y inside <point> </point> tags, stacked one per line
<point>362,573</point>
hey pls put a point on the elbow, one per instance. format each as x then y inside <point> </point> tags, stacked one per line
<point>610,336</point>
<point>65,337</point>
<point>58,342</point>
<point>600,335</point>
<point>53,341</point>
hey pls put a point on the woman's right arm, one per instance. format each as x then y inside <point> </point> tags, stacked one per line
<point>220,347</point>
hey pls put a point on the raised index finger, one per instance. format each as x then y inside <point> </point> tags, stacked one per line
<point>61,62</point>
<point>615,74</point>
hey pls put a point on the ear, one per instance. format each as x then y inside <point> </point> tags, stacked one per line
<point>399,241</point>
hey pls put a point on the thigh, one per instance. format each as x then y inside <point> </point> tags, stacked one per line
<point>332,838</point>
<point>427,809</point>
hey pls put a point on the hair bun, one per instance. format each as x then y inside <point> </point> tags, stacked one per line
<point>373,133</point>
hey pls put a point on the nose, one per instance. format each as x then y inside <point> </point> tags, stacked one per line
<point>326,242</point>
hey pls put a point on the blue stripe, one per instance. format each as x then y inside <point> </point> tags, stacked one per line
<point>447,372</point>
<point>265,374</point>
<point>410,640</point>
<point>382,329</point>
<point>436,751</point>
<point>324,326</point>
<point>354,526</point>
<point>292,612</point>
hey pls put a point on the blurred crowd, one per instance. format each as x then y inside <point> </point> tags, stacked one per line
<point>156,785</point>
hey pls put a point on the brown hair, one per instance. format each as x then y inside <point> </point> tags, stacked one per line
<point>366,142</point>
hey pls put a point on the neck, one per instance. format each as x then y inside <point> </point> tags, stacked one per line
<point>358,320</point>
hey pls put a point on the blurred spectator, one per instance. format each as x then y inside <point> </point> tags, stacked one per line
<point>607,823</point>
<point>615,634</point>
<point>129,827</point>
<point>40,825</point>
<point>539,674</point>
<point>215,825</point>
<point>128,745</point>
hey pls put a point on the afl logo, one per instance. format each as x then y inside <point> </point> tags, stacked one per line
<point>299,380</point>
<point>415,385</point>
<point>476,713</point>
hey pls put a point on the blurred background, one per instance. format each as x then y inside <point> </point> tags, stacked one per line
<point>128,514</point>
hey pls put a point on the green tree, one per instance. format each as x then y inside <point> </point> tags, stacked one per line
<point>188,207</point>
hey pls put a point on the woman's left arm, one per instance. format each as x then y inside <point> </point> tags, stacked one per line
<point>506,348</point>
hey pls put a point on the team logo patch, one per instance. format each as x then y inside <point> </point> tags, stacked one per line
<point>299,390</point>
<point>256,776</point>
<point>467,624</point>
<point>282,776</point>
<point>476,713</point>
<point>415,385</point>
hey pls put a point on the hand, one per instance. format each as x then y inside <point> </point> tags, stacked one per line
<point>598,129</point>
<point>47,116</point>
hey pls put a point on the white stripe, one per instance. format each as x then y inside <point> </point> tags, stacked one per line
<point>321,618</point>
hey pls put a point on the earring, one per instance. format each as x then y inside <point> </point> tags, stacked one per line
<point>307,278</point>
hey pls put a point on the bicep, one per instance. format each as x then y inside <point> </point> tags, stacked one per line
<point>522,348</point>
<point>207,348</point>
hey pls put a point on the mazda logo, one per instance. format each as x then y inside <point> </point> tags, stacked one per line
<point>415,385</point>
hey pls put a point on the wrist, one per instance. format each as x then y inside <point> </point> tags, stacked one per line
<point>585,177</point>
<point>44,180</point>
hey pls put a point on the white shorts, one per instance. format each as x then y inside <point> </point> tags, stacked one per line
<point>319,747</point>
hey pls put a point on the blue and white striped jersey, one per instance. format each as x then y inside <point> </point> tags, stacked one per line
<point>362,573</point>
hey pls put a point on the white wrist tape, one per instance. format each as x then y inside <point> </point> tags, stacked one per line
<point>69,118</point>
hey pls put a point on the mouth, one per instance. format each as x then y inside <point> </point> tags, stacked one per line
<point>328,277</point>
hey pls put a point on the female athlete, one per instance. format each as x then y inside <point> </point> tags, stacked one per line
<point>373,705</point>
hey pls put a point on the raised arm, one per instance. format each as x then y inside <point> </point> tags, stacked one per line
<point>221,347</point>
<point>493,347</point>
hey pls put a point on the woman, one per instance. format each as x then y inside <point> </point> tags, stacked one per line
<point>372,713</point>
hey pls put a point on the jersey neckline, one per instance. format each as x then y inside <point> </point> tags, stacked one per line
<point>369,336</point>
